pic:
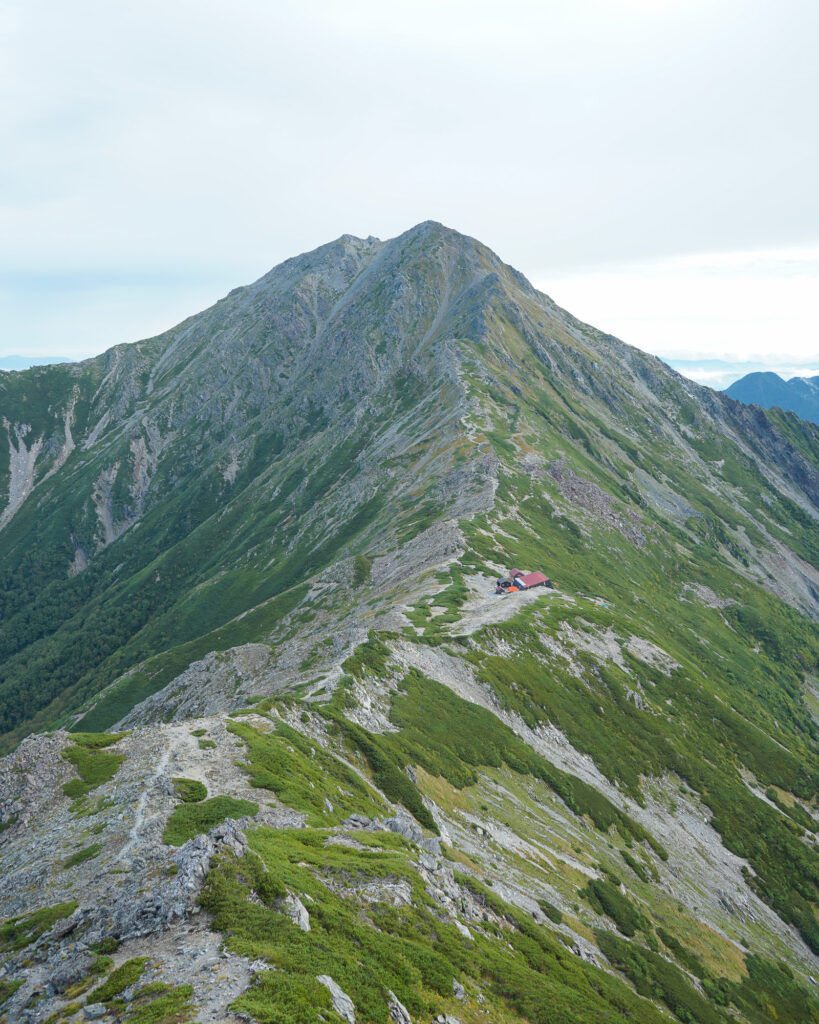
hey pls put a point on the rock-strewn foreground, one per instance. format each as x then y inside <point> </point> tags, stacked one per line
<point>275,750</point>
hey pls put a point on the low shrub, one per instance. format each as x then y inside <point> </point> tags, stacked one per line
<point>190,791</point>
<point>189,820</point>
<point>87,853</point>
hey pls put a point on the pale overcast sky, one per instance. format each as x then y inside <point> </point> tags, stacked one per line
<point>651,165</point>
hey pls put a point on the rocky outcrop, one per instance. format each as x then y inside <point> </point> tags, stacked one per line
<point>22,460</point>
<point>28,782</point>
<point>23,476</point>
<point>403,824</point>
<point>398,1012</point>
<point>585,494</point>
<point>297,912</point>
<point>342,1003</point>
<point>176,898</point>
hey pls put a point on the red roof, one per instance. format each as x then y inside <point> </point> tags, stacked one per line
<point>532,579</point>
<point>514,573</point>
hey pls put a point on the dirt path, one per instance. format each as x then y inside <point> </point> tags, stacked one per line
<point>137,829</point>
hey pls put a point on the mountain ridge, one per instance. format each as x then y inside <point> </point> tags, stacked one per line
<point>224,547</point>
<point>799,395</point>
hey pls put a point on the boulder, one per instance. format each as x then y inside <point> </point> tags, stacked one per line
<point>342,1003</point>
<point>70,972</point>
<point>404,825</point>
<point>297,912</point>
<point>356,821</point>
<point>65,926</point>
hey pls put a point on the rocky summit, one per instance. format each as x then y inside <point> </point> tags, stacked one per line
<point>385,644</point>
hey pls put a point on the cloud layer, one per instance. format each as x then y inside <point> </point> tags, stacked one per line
<point>157,154</point>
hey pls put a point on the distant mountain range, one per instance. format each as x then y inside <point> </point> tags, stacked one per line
<point>799,394</point>
<point>721,373</point>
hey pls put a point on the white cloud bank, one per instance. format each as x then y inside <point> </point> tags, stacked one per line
<point>755,306</point>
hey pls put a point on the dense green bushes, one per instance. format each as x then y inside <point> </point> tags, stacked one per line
<point>387,765</point>
<point>86,853</point>
<point>303,776</point>
<point>122,977</point>
<point>93,764</point>
<point>370,656</point>
<point>451,737</point>
<point>19,932</point>
<point>705,730</point>
<point>607,899</point>
<point>769,994</point>
<point>550,910</point>
<point>656,978</point>
<point>160,593</point>
<point>189,820</point>
<point>8,988</point>
<point>362,565</point>
<point>190,791</point>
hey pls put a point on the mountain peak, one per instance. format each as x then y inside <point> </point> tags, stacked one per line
<point>250,601</point>
<point>768,390</point>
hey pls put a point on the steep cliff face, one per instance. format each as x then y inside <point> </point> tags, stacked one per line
<point>292,508</point>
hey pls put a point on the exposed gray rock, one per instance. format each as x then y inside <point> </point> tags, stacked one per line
<point>21,467</point>
<point>175,898</point>
<point>458,989</point>
<point>432,844</point>
<point>395,891</point>
<point>94,1011</point>
<point>207,686</point>
<point>585,954</point>
<point>428,862</point>
<point>69,973</point>
<point>65,926</point>
<point>357,821</point>
<point>297,912</point>
<point>405,826</point>
<point>636,699</point>
<point>398,1012</point>
<point>29,778</point>
<point>230,835</point>
<point>706,595</point>
<point>585,494</point>
<point>342,1003</point>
